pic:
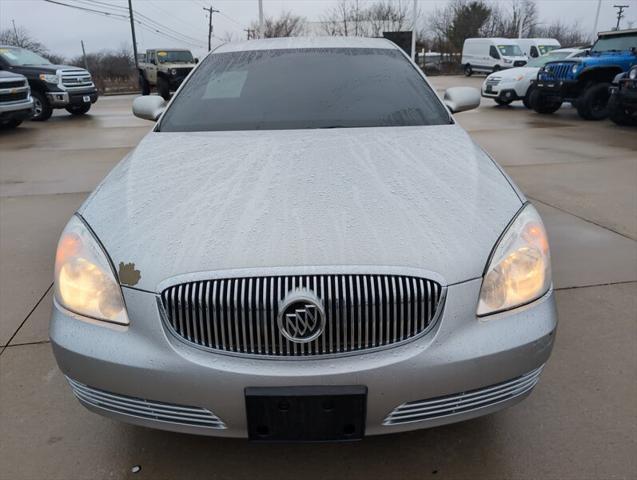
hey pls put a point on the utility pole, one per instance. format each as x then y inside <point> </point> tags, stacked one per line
<point>15,31</point>
<point>84,55</point>
<point>599,6</point>
<point>414,14</point>
<point>250,32</point>
<point>210,12</point>
<point>132,29</point>
<point>260,19</point>
<point>620,13</point>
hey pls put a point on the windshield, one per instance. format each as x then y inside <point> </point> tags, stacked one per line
<point>174,56</point>
<point>304,88</point>
<point>19,56</point>
<point>551,57</point>
<point>615,43</point>
<point>510,51</point>
<point>544,49</point>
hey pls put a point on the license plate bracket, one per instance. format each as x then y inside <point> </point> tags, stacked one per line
<point>306,414</point>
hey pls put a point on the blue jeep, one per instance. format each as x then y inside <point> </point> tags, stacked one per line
<point>585,81</point>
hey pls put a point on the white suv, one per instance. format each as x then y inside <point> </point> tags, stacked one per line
<point>515,83</point>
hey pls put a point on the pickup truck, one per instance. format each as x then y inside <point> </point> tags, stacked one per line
<point>164,69</point>
<point>52,86</point>
<point>16,104</point>
<point>585,81</point>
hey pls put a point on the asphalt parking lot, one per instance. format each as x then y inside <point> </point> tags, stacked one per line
<point>581,421</point>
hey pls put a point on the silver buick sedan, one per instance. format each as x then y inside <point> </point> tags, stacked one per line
<point>306,247</point>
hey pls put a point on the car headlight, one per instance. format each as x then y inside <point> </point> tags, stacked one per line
<point>519,270</point>
<point>575,68</point>
<point>173,71</point>
<point>633,73</point>
<point>85,282</point>
<point>49,78</point>
<point>506,60</point>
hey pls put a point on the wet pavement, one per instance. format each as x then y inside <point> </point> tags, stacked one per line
<point>580,422</point>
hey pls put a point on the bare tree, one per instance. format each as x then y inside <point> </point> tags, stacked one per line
<point>358,18</point>
<point>22,38</point>
<point>567,35</point>
<point>285,25</point>
<point>459,20</point>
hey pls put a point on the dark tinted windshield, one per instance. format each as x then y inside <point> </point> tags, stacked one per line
<point>304,88</point>
<point>619,43</point>
<point>171,56</point>
<point>19,56</point>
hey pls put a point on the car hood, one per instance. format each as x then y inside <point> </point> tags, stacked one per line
<point>513,73</point>
<point>47,68</point>
<point>419,197</point>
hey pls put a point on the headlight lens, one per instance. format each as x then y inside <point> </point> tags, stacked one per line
<point>49,78</point>
<point>520,268</point>
<point>84,280</point>
<point>506,60</point>
<point>632,74</point>
<point>575,68</point>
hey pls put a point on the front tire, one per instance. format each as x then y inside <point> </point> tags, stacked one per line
<point>618,114</point>
<point>496,68</point>
<point>593,103</point>
<point>144,85</point>
<point>10,125</point>
<point>543,104</point>
<point>527,98</point>
<point>163,88</point>
<point>468,71</point>
<point>42,109</point>
<point>78,109</point>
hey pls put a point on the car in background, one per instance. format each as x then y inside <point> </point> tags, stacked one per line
<point>164,69</point>
<point>307,246</point>
<point>52,86</point>
<point>536,47</point>
<point>622,104</point>
<point>16,104</point>
<point>585,81</point>
<point>488,55</point>
<point>514,84</point>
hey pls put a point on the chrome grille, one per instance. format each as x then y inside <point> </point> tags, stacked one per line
<point>362,312</point>
<point>463,402</point>
<point>76,79</point>
<point>137,407</point>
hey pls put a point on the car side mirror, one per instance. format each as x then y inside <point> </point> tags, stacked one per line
<point>149,107</point>
<point>461,99</point>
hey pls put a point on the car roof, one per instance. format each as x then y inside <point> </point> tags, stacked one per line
<point>305,42</point>
<point>613,33</point>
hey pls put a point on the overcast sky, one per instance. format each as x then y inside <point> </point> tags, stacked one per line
<point>61,28</point>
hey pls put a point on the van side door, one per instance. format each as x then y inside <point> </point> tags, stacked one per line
<point>494,56</point>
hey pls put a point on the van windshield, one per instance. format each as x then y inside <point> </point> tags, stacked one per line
<point>510,51</point>
<point>304,88</point>
<point>544,49</point>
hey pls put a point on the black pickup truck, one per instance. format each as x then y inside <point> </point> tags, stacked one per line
<point>52,86</point>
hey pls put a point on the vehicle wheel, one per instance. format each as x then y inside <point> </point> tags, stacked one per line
<point>527,98</point>
<point>593,103</point>
<point>541,104</point>
<point>42,110</point>
<point>144,85</point>
<point>10,124</point>
<point>496,68</point>
<point>78,109</point>
<point>619,115</point>
<point>468,71</point>
<point>499,101</point>
<point>163,88</point>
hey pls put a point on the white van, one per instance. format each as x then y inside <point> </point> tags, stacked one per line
<point>490,55</point>
<point>536,47</point>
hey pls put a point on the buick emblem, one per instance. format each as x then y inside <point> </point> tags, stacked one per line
<point>301,316</point>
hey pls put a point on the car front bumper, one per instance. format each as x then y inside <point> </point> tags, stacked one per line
<point>144,368</point>
<point>60,99</point>
<point>503,93</point>
<point>20,110</point>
